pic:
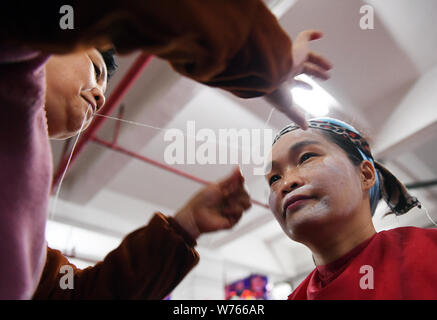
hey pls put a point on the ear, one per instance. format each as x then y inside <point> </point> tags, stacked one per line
<point>367,174</point>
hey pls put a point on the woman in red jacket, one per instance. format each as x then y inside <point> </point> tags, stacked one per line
<point>325,186</point>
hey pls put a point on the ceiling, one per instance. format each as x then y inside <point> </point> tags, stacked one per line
<point>384,80</point>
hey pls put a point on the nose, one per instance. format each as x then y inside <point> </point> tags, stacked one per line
<point>99,97</point>
<point>291,181</point>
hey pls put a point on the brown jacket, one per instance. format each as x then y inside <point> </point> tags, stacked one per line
<point>234,45</point>
<point>148,264</point>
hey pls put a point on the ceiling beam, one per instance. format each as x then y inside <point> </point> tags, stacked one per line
<point>414,121</point>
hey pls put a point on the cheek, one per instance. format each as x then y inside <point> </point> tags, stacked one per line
<point>340,180</point>
<point>68,75</point>
<point>274,204</point>
<point>61,89</point>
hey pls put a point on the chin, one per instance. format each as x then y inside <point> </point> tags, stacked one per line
<point>62,135</point>
<point>67,133</point>
<point>64,123</point>
<point>76,125</point>
<point>303,223</point>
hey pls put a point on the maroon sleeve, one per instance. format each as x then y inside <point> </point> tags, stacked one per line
<point>238,46</point>
<point>149,263</point>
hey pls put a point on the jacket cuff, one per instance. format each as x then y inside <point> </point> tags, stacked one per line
<point>180,230</point>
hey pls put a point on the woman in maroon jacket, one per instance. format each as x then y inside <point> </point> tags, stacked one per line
<point>234,45</point>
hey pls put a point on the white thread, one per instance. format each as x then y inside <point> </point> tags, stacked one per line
<point>130,122</point>
<point>270,115</point>
<point>231,146</point>
<point>163,129</point>
<point>55,201</point>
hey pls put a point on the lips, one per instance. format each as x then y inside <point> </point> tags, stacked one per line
<point>294,201</point>
<point>92,103</point>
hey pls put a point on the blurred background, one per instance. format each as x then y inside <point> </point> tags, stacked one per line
<point>384,82</point>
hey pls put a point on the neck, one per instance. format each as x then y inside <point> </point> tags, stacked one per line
<point>338,243</point>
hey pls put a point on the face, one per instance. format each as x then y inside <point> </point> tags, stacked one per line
<point>75,91</point>
<point>314,187</point>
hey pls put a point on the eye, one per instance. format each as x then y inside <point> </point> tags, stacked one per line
<point>97,71</point>
<point>306,156</point>
<point>273,179</point>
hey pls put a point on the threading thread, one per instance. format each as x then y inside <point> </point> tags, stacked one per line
<point>269,117</point>
<point>55,201</point>
<point>130,122</point>
<point>163,129</point>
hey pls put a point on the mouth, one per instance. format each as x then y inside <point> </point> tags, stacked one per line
<point>294,202</point>
<point>91,103</point>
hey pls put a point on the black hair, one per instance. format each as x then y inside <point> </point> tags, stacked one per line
<point>109,58</point>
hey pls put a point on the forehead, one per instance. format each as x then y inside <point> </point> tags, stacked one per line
<point>290,138</point>
<point>284,146</point>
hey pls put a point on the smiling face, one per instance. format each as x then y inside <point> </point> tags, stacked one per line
<point>315,189</point>
<point>75,90</point>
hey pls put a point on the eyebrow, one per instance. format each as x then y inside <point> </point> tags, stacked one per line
<point>302,144</point>
<point>294,149</point>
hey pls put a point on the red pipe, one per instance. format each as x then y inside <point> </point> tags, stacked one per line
<point>129,78</point>
<point>122,150</point>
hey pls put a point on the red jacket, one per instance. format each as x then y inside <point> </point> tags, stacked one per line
<point>394,264</point>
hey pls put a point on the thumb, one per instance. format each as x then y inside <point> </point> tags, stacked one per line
<point>233,181</point>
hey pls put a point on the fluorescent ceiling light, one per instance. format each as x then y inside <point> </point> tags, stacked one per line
<point>316,101</point>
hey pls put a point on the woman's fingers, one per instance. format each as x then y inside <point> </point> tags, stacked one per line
<point>232,183</point>
<point>244,200</point>
<point>306,36</point>
<point>234,204</point>
<point>282,100</point>
<point>315,71</point>
<point>297,116</point>
<point>237,204</point>
<point>301,48</point>
<point>319,60</point>
<point>295,83</point>
<point>306,61</point>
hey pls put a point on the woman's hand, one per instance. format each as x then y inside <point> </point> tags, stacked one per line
<point>304,61</point>
<point>217,206</point>
<point>307,61</point>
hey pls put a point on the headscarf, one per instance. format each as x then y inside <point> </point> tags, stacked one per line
<point>386,186</point>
